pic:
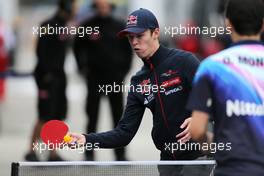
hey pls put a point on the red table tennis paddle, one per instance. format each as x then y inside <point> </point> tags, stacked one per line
<point>55,132</point>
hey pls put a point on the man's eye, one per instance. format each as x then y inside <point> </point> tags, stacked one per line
<point>130,37</point>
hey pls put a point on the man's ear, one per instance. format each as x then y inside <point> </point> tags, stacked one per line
<point>229,25</point>
<point>156,33</point>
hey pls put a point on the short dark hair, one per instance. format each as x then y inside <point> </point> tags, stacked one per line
<point>246,16</point>
<point>66,5</point>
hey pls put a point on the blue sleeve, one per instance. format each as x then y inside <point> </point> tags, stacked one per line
<point>200,97</point>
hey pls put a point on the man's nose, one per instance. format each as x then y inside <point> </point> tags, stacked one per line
<point>134,41</point>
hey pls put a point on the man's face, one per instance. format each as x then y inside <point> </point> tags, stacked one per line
<point>70,15</point>
<point>144,43</point>
<point>103,7</point>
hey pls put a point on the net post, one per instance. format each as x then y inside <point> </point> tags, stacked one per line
<point>14,169</point>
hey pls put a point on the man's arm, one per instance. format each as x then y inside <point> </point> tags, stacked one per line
<point>191,66</point>
<point>46,45</point>
<point>123,133</point>
<point>201,104</point>
<point>198,127</point>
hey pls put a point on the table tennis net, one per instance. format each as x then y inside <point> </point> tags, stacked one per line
<point>114,168</point>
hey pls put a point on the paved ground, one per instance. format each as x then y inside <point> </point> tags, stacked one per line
<point>18,113</point>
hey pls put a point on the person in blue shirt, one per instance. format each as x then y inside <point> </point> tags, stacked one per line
<point>229,88</point>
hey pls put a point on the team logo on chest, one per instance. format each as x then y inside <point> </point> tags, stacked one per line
<point>171,82</point>
<point>168,73</point>
<point>145,86</point>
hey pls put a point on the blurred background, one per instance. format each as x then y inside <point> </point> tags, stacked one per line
<point>18,91</point>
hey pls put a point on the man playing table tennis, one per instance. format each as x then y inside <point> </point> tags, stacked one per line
<point>162,85</point>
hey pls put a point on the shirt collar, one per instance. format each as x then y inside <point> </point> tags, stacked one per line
<point>159,56</point>
<point>247,42</point>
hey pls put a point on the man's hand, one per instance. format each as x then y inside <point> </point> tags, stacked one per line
<point>78,140</point>
<point>185,135</point>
